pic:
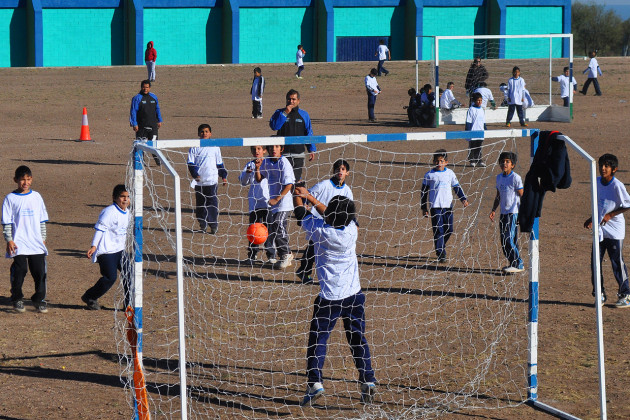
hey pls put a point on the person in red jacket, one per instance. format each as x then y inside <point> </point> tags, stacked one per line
<point>150,55</point>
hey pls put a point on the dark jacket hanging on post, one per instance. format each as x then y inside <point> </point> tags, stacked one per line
<point>549,170</point>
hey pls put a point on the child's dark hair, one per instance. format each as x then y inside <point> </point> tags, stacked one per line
<point>373,72</point>
<point>23,170</point>
<point>508,155</point>
<point>515,68</point>
<point>382,42</point>
<point>449,84</point>
<point>202,126</point>
<point>257,70</point>
<point>476,96</point>
<point>427,88</point>
<point>565,69</point>
<point>269,147</point>
<point>299,47</point>
<point>608,160</point>
<point>439,153</point>
<point>340,211</point>
<point>118,190</point>
<point>339,163</point>
<point>411,91</point>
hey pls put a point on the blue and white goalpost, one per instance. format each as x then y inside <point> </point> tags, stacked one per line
<point>220,335</point>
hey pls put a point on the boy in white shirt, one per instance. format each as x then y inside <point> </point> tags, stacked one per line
<point>372,88</point>
<point>205,166</point>
<point>437,188</point>
<point>515,95</point>
<point>566,85</point>
<point>108,248</point>
<point>324,191</point>
<point>257,197</point>
<point>593,70</point>
<point>612,202</point>
<point>486,95</point>
<point>475,121</point>
<point>509,193</point>
<point>335,240</point>
<point>299,61</point>
<point>279,174</point>
<point>447,100</point>
<point>257,90</point>
<point>24,218</point>
<point>383,54</point>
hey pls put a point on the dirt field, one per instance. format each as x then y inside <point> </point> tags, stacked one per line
<point>64,364</point>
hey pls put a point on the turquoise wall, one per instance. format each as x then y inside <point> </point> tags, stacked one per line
<point>271,35</point>
<point>83,37</point>
<point>532,20</point>
<point>13,48</point>
<point>374,21</point>
<point>452,21</point>
<point>184,36</point>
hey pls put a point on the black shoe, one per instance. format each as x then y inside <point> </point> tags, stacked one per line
<point>18,306</point>
<point>41,307</point>
<point>582,92</point>
<point>598,94</point>
<point>213,230</point>
<point>92,304</point>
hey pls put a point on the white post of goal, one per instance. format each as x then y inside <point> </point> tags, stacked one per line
<point>533,289</point>
<point>138,185</point>
<point>437,83</point>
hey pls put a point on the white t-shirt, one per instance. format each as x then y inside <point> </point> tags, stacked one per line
<point>447,100</point>
<point>611,197</point>
<point>476,116</point>
<point>258,194</point>
<point>382,52</point>
<point>486,96</point>
<point>508,185</point>
<point>335,257</point>
<point>565,86</point>
<point>206,159</point>
<point>26,212</point>
<point>299,58</point>
<point>279,174</point>
<point>593,68</point>
<point>440,185</point>
<point>111,231</point>
<point>324,191</point>
<point>515,91</point>
<point>372,85</point>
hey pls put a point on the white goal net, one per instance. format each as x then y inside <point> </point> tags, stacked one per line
<point>444,336</point>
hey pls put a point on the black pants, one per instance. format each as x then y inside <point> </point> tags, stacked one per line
<point>110,264</point>
<point>298,166</point>
<point>256,109</point>
<point>595,84</point>
<point>519,112</point>
<point>308,259</point>
<point>427,116</point>
<point>207,208</point>
<point>474,150</point>
<point>19,269</point>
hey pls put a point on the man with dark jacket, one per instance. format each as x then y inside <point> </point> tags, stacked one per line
<point>477,73</point>
<point>293,121</point>
<point>145,117</point>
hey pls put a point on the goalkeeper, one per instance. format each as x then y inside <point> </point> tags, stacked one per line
<point>335,239</point>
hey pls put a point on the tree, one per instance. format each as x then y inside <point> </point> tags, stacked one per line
<point>594,28</point>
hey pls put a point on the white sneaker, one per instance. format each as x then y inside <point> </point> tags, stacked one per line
<point>312,393</point>
<point>284,262</point>
<point>272,260</point>
<point>512,270</point>
<point>368,390</point>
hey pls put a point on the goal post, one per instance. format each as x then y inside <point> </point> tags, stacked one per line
<point>540,58</point>
<point>218,336</point>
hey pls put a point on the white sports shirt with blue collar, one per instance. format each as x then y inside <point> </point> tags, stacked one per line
<point>278,173</point>
<point>508,185</point>
<point>206,160</point>
<point>110,231</point>
<point>26,212</point>
<point>610,197</point>
<point>441,184</point>
<point>258,194</point>
<point>324,191</point>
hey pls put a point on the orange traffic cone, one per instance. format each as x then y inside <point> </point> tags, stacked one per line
<point>85,128</point>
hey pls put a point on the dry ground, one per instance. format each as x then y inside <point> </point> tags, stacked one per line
<point>64,364</point>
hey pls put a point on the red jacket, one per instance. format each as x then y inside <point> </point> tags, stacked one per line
<point>150,54</point>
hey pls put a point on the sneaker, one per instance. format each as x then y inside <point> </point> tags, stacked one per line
<point>312,393</point>
<point>512,270</point>
<point>598,94</point>
<point>623,302</point>
<point>213,230</point>
<point>284,262</point>
<point>305,278</point>
<point>508,124</point>
<point>524,125</point>
<point>472,164</point>
<point>259,117</point>
<point>367,392</point>
<point>297,77</point>
<point>582,92</point>
<point>41,307</point>
<point>300,77</point>
<point>92,304</point>
<point>18,306</point>
<point>481,164</point>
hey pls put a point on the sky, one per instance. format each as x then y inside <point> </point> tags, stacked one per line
<point>621,7</point>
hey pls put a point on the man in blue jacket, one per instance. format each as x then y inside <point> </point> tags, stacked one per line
<point>145,117</point>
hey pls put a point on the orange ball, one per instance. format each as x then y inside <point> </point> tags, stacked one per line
<point>257,233</point>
